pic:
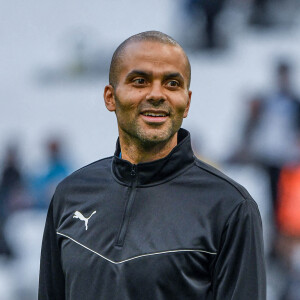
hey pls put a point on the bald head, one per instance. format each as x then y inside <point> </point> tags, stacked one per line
<point>147,36</point>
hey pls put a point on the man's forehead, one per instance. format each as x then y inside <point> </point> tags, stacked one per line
<point>141,52</point>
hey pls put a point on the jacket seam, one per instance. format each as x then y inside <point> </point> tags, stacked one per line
<point>226,223</point>
<point>137,256</point>
<point>229,217</point>
<point>60,186</point>
<point>92,163</point>
<point>244,195</point>
<point>123,218</point>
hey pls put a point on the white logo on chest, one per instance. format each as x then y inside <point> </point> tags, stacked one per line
<point>79,215</point>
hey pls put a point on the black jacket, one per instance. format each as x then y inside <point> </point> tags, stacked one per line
<point>174,228</point>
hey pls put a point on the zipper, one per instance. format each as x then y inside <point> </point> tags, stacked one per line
<point>128,208</point>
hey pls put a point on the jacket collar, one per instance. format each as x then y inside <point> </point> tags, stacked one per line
<point>157,171</point>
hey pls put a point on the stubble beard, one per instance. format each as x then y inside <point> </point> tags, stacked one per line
<point>153,137</point>
<point>148,138</point>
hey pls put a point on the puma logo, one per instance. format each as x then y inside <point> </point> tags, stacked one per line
<point>78,215</point>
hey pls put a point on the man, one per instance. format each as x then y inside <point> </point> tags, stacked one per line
<point>151,222</point>
<point>272,131</point>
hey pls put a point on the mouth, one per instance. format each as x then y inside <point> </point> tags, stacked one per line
<point>154,116</point>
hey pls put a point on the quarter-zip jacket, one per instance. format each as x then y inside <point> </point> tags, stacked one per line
<point>174,228</point>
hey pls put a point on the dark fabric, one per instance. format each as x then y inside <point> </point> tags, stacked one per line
<point>241,235</point>
<point>52,282</point>
<point>182,231</point>
<point>158,170</point>
<point>298,114</point>
<point>273,173</point>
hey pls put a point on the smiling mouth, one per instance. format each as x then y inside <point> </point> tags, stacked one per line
<point>154,117</point>
<point>154,114</point>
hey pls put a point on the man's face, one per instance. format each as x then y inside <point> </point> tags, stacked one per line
<point>152,95</point>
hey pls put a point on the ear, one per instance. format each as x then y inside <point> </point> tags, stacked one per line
<point>188,104</point>
<point>109,98</point>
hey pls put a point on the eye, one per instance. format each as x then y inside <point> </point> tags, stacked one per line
<point>139,81</point>
<point>173,83</point>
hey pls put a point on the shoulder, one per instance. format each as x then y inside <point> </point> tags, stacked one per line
<point>222,200</point>
<point>219,177</point>
<point>236,203</point>
<point>225,192</point>
<point>85,175</point>
<point>85,181</point>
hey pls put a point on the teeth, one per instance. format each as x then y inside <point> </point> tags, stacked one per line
<point>154,114</point>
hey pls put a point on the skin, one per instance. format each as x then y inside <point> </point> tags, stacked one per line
<point>153,79</point>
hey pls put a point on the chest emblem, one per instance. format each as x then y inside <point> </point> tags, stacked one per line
<point>80,216</point>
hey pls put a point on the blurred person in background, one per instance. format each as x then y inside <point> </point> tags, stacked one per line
<point>271,137</point>
<point>11,192</point>
<point>260,13</point>
<point>57,169</point>
<point>210,10</point>
<point>152,221</point>
<point>272,14</point>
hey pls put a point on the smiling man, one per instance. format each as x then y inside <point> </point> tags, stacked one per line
<point>151,222</point>
<point>149,91</point>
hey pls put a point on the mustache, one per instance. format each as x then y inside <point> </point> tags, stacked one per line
<point>164,107</point>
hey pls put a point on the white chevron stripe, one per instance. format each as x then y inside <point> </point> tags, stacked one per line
<point>138,256</point>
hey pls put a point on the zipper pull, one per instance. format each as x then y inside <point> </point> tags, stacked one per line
<point>133,173</point>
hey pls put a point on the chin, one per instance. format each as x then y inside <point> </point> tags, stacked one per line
<point>152,137</point>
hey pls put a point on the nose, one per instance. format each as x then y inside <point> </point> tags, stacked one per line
<point>156,95</point>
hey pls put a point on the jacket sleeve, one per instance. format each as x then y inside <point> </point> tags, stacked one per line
<point>51,282</point>
<point>239,271</point>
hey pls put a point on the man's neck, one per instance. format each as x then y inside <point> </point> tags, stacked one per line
<point>136,152</point>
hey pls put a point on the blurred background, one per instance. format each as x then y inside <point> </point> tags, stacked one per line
<point>244,117</point>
